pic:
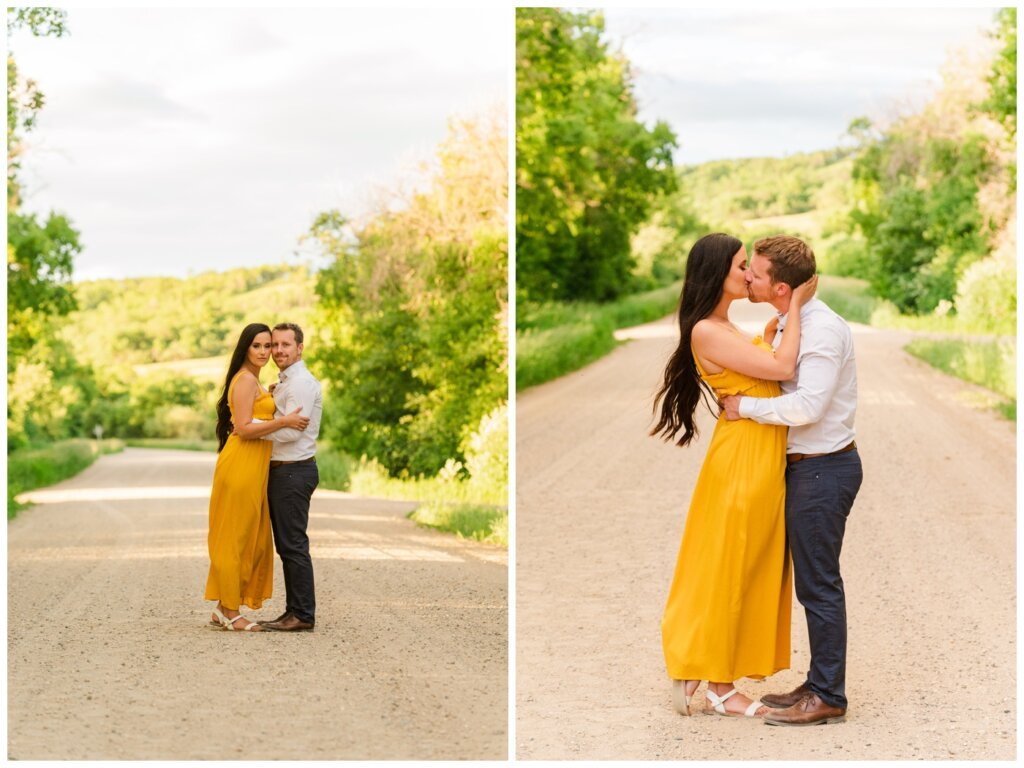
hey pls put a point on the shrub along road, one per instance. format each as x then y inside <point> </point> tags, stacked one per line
<point>110,655</point>
<point>928,563</point>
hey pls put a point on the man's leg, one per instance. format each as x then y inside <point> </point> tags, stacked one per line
<point>819,496</point>
<point>289,491</point>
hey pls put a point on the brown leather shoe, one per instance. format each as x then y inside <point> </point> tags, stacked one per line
<point>810,710</point>
<point>783,700</point>
<point>282,617</point>
<point>289,623</point>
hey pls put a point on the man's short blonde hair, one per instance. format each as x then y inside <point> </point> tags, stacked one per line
<point>792,260</point>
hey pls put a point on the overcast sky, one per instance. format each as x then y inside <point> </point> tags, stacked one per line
<point>749,83</point>
<point>192,139</point>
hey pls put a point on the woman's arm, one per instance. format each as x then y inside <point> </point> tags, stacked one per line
<point>725,349</point>
<point>770,329</point>
<point>243,399</point>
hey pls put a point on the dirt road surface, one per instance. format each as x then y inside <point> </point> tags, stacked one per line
<point>110,655</point>
<point>928,561</point>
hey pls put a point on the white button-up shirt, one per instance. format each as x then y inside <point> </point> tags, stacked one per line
<point>820,403</point>
<point>296,386</point>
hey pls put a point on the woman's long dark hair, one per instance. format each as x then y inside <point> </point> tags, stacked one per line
<point>707,266</point>
<point>249,333</point>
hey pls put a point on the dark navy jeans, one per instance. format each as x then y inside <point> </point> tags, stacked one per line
<point>819,496</point>
<point>288,491</point>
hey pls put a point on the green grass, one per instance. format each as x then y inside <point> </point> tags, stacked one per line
<point>848,296</point>
<point>553,339</point>
<point>990,364</point>
<point>37,467</point>
<point>172,444</point>
<point>543,355</point>
<point>852,299</point>
<point>334,468</point>
<point>470,510</point>
<point>488,524</point>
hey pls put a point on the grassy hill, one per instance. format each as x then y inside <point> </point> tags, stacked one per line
<point>724,192</point>
<point>163,320</point>
<point>807,195</point>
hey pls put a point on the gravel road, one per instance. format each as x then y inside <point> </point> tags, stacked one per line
<point>110,655</point>
<point>928,561</point>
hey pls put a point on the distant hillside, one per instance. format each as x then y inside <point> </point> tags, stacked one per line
<point>807,195</point>
<point>163,319</point>
<point>803,194</point>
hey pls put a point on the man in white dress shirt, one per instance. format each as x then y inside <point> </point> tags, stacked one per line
<point>823,471</point>
<point>293,478</point>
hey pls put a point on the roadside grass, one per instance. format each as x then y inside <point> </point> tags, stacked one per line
<point>543,355</point>
<point>470,509</point>
<point>990,364</point>
<point>334,467</point>
<point>488,524</point>
<point>172,443</point>
<point>851,298</point>
<point>39,466</point>
<point>556,338</point>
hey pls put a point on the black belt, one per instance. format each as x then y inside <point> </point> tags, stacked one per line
<point>793,458</point>
<point>299,461</point>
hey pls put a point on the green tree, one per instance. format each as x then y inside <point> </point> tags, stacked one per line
<point>587,171</point>
<point>1002,100</point>
<point>934,191</point>
<point>413,325</point>
<point>24,99</point>
<point>40,260</point>
<point>47,388</point>
<point>917,210</point>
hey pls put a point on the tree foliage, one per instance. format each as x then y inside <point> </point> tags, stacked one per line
<point>141,320</point>
<point>1002,99</point>
<point>46,385</point>
<point>24,99</point>
<point>413,320</point>
<point>934,191</point>
<point>587,170</point>
<point>918,213</point>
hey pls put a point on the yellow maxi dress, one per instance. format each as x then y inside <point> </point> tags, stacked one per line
<point>240,541</point>
<point>728,610</point>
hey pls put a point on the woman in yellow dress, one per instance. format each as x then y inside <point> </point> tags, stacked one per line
<point>240,543</point>
<point>728,610</point>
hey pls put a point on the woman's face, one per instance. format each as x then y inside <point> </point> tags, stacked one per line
<point>736,281</point>
<point>259,350</point>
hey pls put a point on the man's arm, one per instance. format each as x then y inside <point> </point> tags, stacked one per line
<point>819,376</point>
<point>302,392</point>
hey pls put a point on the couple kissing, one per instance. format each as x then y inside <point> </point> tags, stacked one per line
<point>778,482</point>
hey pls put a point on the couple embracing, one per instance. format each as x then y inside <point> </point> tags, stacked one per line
<point>780,477</point>
<point>265,475</point>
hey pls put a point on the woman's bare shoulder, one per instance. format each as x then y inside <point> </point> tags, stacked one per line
<point>245,381</point>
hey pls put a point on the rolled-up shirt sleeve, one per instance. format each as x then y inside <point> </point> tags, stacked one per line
<point>302,392</point>
<point>818,376</point>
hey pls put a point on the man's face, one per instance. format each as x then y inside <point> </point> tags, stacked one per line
<point>759,285</point>
<point>286,350</point>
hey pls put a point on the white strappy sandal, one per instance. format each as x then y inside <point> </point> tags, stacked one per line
<point>229,624</point>
<point>718,704</point>
<point>679,698</point>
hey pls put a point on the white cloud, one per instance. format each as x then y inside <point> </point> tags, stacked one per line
<point>182,140</point>
<point>739,83</point>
